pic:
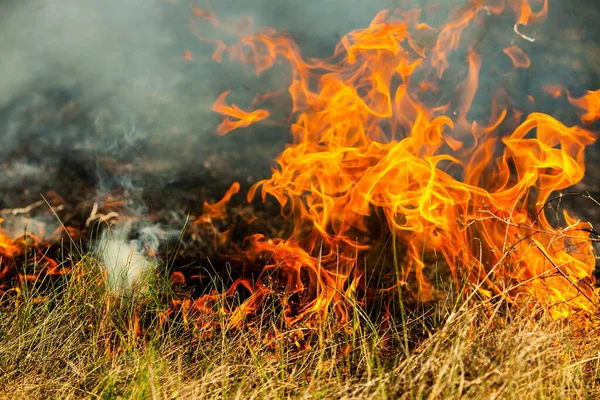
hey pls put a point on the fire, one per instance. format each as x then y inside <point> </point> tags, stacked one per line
<point>366,146</point>
<point>590,102</point>
<point>31,251</point>
<point>518,57</point>
<point>244,119</point>
<point>7,247</point>
<point>219,209</point>
<point>374,157</point>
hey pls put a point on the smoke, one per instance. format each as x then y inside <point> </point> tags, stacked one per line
<point>96,96</point>
<point>125,260</point>
<point>98,42</point>
<point>98,78</point>
<point>105,82</point>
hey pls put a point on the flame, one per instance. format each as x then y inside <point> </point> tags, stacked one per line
<point>518,57</point>
<point>590,102</point>
<point>214,212</point>
<point>7,246</point>
<point>366,146</point>
<point>5,242</point>
<point>219,209</point>
<point>525,14</point>
<point>554,90</point>
<point>244,118</point>
<point>35,253</point>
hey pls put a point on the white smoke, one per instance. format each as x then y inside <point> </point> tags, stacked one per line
<point>127,265</point>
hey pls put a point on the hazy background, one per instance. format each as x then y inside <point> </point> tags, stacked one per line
<point>97,93</point>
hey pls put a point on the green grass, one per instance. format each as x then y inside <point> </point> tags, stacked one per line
<point>76,340</point>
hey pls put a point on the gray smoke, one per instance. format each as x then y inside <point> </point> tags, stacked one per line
<point>97,95</point>
<point>107,79</point>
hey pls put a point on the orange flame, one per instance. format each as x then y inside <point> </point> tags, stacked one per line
<point>525,13</point>
<point>554,90</point>
<point>244,118</point>
<point>518,57</point>
<point>36,254</point>
<point>7,246</point>
<point>219,209</point>
<point>366,145</point>
<point>590,102</point>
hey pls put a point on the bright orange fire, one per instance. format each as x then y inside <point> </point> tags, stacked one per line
<point>244,119</point>
<point>7,246</point>
<point>590,102</point>
<point>366,145</point>
<point>26,259</point>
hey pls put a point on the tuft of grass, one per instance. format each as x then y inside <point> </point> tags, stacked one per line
<point>75,339</point>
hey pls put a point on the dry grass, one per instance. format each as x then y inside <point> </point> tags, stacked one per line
<point>78,341</point>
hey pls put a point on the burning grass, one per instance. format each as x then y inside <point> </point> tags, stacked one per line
<point>369,141</point>
<point>81,341</point>
<point>416,255</point>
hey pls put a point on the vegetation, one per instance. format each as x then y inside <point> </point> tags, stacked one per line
<point>75,339</point>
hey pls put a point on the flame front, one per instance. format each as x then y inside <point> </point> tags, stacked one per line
<point>367,146</point>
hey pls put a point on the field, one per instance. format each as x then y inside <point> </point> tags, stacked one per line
<point>330,200</point>
<point>77,340</point>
